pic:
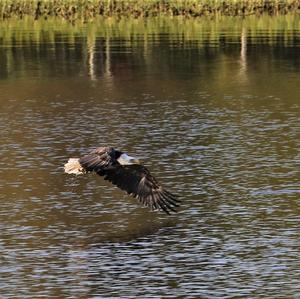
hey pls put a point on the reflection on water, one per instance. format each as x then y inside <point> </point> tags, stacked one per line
<point>212,109</point>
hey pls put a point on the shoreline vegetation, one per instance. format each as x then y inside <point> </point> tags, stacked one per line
<point>86,10</point>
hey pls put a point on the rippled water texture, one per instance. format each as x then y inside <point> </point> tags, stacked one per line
<point>212,107</point>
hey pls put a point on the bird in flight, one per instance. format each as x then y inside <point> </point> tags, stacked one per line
<point>128,174</point>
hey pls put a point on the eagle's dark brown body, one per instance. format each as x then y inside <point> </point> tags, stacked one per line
<point>126,173</point>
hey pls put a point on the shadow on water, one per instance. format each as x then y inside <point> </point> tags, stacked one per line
<point>148,230</point>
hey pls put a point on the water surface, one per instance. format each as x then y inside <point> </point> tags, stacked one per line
<point>211,106</point>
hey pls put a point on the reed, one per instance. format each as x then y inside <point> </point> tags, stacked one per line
<point>89,9</point>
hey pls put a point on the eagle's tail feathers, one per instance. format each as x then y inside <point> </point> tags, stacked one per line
<point>73,167</point>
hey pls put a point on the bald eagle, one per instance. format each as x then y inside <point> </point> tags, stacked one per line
<point>128,174</point>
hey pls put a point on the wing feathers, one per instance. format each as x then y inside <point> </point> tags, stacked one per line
<point>97,159</point>
<point>170,198</point>
<point>137,181</point>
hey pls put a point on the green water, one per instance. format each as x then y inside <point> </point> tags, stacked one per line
<point>210,106</point>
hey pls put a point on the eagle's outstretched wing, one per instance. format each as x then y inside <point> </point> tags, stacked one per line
<point>98,159</point>
<point>137,181</point>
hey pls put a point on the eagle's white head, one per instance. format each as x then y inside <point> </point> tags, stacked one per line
<point>125,159</point>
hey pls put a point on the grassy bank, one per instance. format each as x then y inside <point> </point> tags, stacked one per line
<point>89,9</point>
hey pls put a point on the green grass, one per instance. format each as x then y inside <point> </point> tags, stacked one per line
<point>89,9</point>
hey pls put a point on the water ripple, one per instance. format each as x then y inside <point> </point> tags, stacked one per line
<point>231,154</point>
